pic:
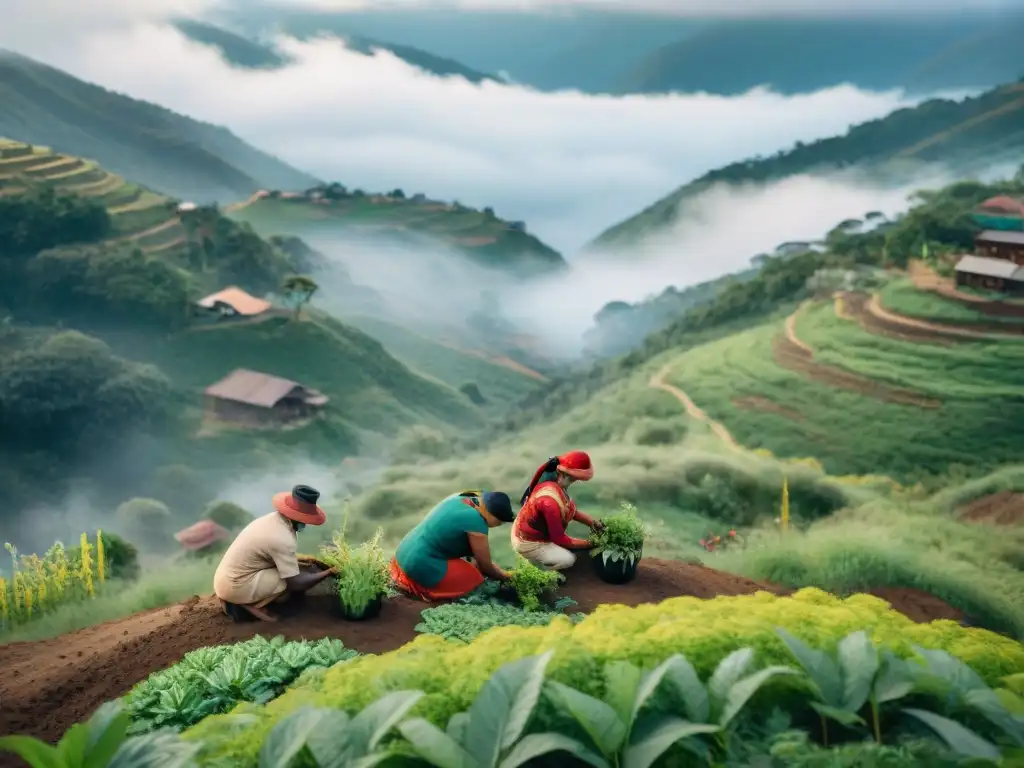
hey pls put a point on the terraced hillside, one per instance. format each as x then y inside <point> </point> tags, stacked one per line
<point>967,135</point>
<point>481,235</point>
<point>140,217</point>
<point>149,144</point>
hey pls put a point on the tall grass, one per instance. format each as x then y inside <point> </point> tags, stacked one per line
<point>160,585</point>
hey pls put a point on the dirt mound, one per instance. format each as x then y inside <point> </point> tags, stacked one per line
<point>49,685</point>
<point>1003,508</point>
<point>916,605</point>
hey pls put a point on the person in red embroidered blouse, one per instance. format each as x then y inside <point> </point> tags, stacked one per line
<point>538,533</point>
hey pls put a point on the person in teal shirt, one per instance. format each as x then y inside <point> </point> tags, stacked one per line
<point>431,563</point>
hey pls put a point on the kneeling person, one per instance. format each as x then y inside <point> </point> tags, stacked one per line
<point>261,565</point>
<point>429,563</point>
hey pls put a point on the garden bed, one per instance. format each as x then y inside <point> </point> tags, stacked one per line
<point>49,685</point>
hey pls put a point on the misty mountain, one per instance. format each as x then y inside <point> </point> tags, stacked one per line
<point>147,143</point>
<point>804,55</point>
<point>241,51</point>
<point>622,52</point>
<point>967,136</point>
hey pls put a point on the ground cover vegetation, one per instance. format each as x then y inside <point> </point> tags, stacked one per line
<point>786,677</point>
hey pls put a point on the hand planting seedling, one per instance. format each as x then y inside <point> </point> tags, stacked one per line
<point>619,544</point>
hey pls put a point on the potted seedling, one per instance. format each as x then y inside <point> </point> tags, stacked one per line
<point>362,580</point>
<point>616,550</point>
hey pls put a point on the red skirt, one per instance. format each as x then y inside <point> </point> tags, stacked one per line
<point>461,578</point>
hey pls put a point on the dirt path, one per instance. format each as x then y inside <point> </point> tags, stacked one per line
<point>72,675</point>
<point>874,306</point>
<point>499,360</point>
<point>791,330</point>
<point>244,203</point>
<point>659,381</point>
<point>146,232</point>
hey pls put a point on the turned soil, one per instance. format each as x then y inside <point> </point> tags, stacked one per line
<point>49,685</point>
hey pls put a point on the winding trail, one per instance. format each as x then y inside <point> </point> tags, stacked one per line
<point>874,306</point>
<point>659,381</point>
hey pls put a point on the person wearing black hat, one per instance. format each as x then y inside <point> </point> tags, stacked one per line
<point>430,561</point>
<point>261,565</point>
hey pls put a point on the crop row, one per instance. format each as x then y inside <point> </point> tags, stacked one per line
<point>931,709</point>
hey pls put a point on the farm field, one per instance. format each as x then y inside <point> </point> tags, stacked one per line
<point>902,297</point>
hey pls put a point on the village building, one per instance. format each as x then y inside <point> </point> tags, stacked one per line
<point>202,536</point>
<point>257,399</point>
<point>990,274</point>
<point>1000,213</point>
<point>1001,244</point>
<point>231,303</point>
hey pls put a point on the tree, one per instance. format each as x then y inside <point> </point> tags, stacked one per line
<point>228,515</point>
<point>298,290</point>
<point>397,194</point>
<point>146,521</point>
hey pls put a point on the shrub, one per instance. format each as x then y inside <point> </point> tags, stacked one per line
<point>147,521</point>
<point>622,538</point>
<point>472,391</point>
<point>228,515</point>
<point>704,631</point>
<point>530,582</point>
<point>121,557</point>
<point>660,432</point>
<point>419,442</point>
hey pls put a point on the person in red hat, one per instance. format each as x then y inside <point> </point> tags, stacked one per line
<point>539,532</point>
<point>261,566</point>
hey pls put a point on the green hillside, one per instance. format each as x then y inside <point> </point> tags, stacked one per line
<point>793,55</point>
<point>146,143</point>
<point>967,135</point>
<point>96,290</point>
<point>481,235</point>
<point>243,52</point>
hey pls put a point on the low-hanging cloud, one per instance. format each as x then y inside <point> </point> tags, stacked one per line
<point>569,164</point>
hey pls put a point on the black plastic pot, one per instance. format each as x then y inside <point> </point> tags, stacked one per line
<point>370,611</point>
<point>616,572</point>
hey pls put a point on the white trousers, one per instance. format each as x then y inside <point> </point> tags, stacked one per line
<point>544,554</point>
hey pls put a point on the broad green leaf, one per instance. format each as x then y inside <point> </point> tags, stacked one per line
<point>503,706</point>
<point>946,673</point>
<point>743,690</point>
<point>383,715</point>
<point>1014,704</point>
<point>960,739</point>
<point>160,749</point>
<point>457,726</point>
<point>991,706</point>
<point>858,660</point>
<point>599,720</point>
<point>36,753</point>
<point>369,761</point>
<point>664,732</point>
<point>821,669</point>
<point>288,737</point>
<point>434,746</point>
<point>72,746</point>
<point>622,681</point>
<point>332,743</point>
<point>648,685</point>
<point>108,729</point>
<point>688,686</point>
<point>893,681</point>
<point>840,715</point>
<point>538,744</point>
<point>729,671</point>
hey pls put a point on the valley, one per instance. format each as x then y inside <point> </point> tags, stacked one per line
<point>789,482</point>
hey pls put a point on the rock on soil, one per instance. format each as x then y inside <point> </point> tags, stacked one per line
<point>49,685</point>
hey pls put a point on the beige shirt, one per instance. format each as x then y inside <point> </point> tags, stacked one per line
<point>255,566</point>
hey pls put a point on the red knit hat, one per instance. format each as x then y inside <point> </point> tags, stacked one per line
<point>575,464</point>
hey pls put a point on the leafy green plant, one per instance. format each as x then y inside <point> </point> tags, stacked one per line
<point>860,676</point>
<point>458,621</point>
<point>531,581</point>
<point>622,538</point>
<point>362,571</point>
<point>212,680</point>
<point>626,735</point>
<point>491,733</point>
<point>103,742</point>
<point>332,738</point>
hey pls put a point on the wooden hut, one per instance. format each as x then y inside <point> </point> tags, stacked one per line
<point>258,399</point>
<point>202,536</point>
